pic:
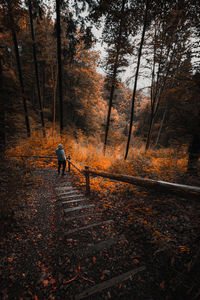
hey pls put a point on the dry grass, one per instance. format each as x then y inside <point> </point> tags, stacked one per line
<point>163,164</point>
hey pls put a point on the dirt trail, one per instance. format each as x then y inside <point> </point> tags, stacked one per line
<point>68,246</point>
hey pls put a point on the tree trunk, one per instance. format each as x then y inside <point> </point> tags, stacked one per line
<point>2,114</point>
<point>109,111</point>
<point>161,125</point>
<point>54,100</point>
<point>15,42</point>
<point>194,155</point>
<point>36,66</point>
<point>113,81</point>
<point>58,29</point>
<point>149,132</point>
<point>136,78</point>
<point>43,83</point>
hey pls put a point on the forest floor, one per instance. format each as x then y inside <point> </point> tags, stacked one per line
<point>141,245</point>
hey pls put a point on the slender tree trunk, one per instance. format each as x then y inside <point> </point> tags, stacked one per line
<point>36,66</point>
<point>109,110</point>
<point>54,100</point>
<point>136,78</point>
<point>43,83</point>
<point>113,81</point>
<point>149,132</point>
<point>155,102</point>
<point>194,151</point>
<point>58,28</point>
<point>2,114</point>
<point>194,154</point>
<point>15,42</point>
<point>161,125</point>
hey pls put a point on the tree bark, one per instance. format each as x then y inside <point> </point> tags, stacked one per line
<point>15,42</point>
<point>113,80</point>
<point>43,83</point>
<point>58,29</point>
<point>54,100</point>
<point>36,66</point>
<point>194,155</point>
<point>2,114</point>
<point>149,132</point>
<point>109,110</point>
<point>161,125</point>
<point>136,78</point>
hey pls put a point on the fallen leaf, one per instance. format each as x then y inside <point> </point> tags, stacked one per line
<point>45,282</point>
<point>136,261</point>
<point>52,281</point>
<point>162,285</point>
<point>109,295</point>
<point>10,259</point>
<point>139,278</point>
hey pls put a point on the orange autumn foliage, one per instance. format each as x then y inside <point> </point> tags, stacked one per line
<point>164,164</point>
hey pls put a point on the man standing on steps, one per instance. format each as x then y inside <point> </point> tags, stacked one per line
<point>61,158</point>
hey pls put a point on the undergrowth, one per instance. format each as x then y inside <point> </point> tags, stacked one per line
<point>162,164</point>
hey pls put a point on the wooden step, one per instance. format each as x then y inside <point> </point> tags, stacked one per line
<point>78,208</point>
<point>104,223</point>
<point>73,201</point>
<point>108,283</point>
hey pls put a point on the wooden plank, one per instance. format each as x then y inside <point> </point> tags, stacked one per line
<point>71,192</point>
<point>98,247</point>
<point>32,156</point>
<point>72,201</point>
<point>181,189</point>
<point>78,208</point>
<point>64,187</point>
<point>71,196</point>
<point>67,188</point>
<point>102,245</point>
<point>109,283</point>
<point>83,216</point>
<point>88,226</point>
<point>71,163</point>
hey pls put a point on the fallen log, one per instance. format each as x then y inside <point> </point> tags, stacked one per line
<point>180,189</point>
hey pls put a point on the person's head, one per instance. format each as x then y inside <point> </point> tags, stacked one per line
<point>60,146</point>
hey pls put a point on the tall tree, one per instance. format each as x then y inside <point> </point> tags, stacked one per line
<point>194,146</point>
<point>120,21</point>
<point>29,2</point>
<point>170,39</point>
<point>136,78</point>
<point>2,110</point>
<point>161,125</point>
<point>59,58</point>
<point>9,8</point>
<point>114,70</point>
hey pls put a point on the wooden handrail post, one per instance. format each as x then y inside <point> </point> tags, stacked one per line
<point>69,163</point>
<point>87,180</point>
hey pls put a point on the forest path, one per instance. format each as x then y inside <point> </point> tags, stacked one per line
<point>97,256</point>
<point>65,245</point>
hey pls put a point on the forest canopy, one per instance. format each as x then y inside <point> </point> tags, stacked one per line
<point>49,68</point>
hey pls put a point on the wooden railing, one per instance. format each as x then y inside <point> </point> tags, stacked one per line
<point>180,189</point>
